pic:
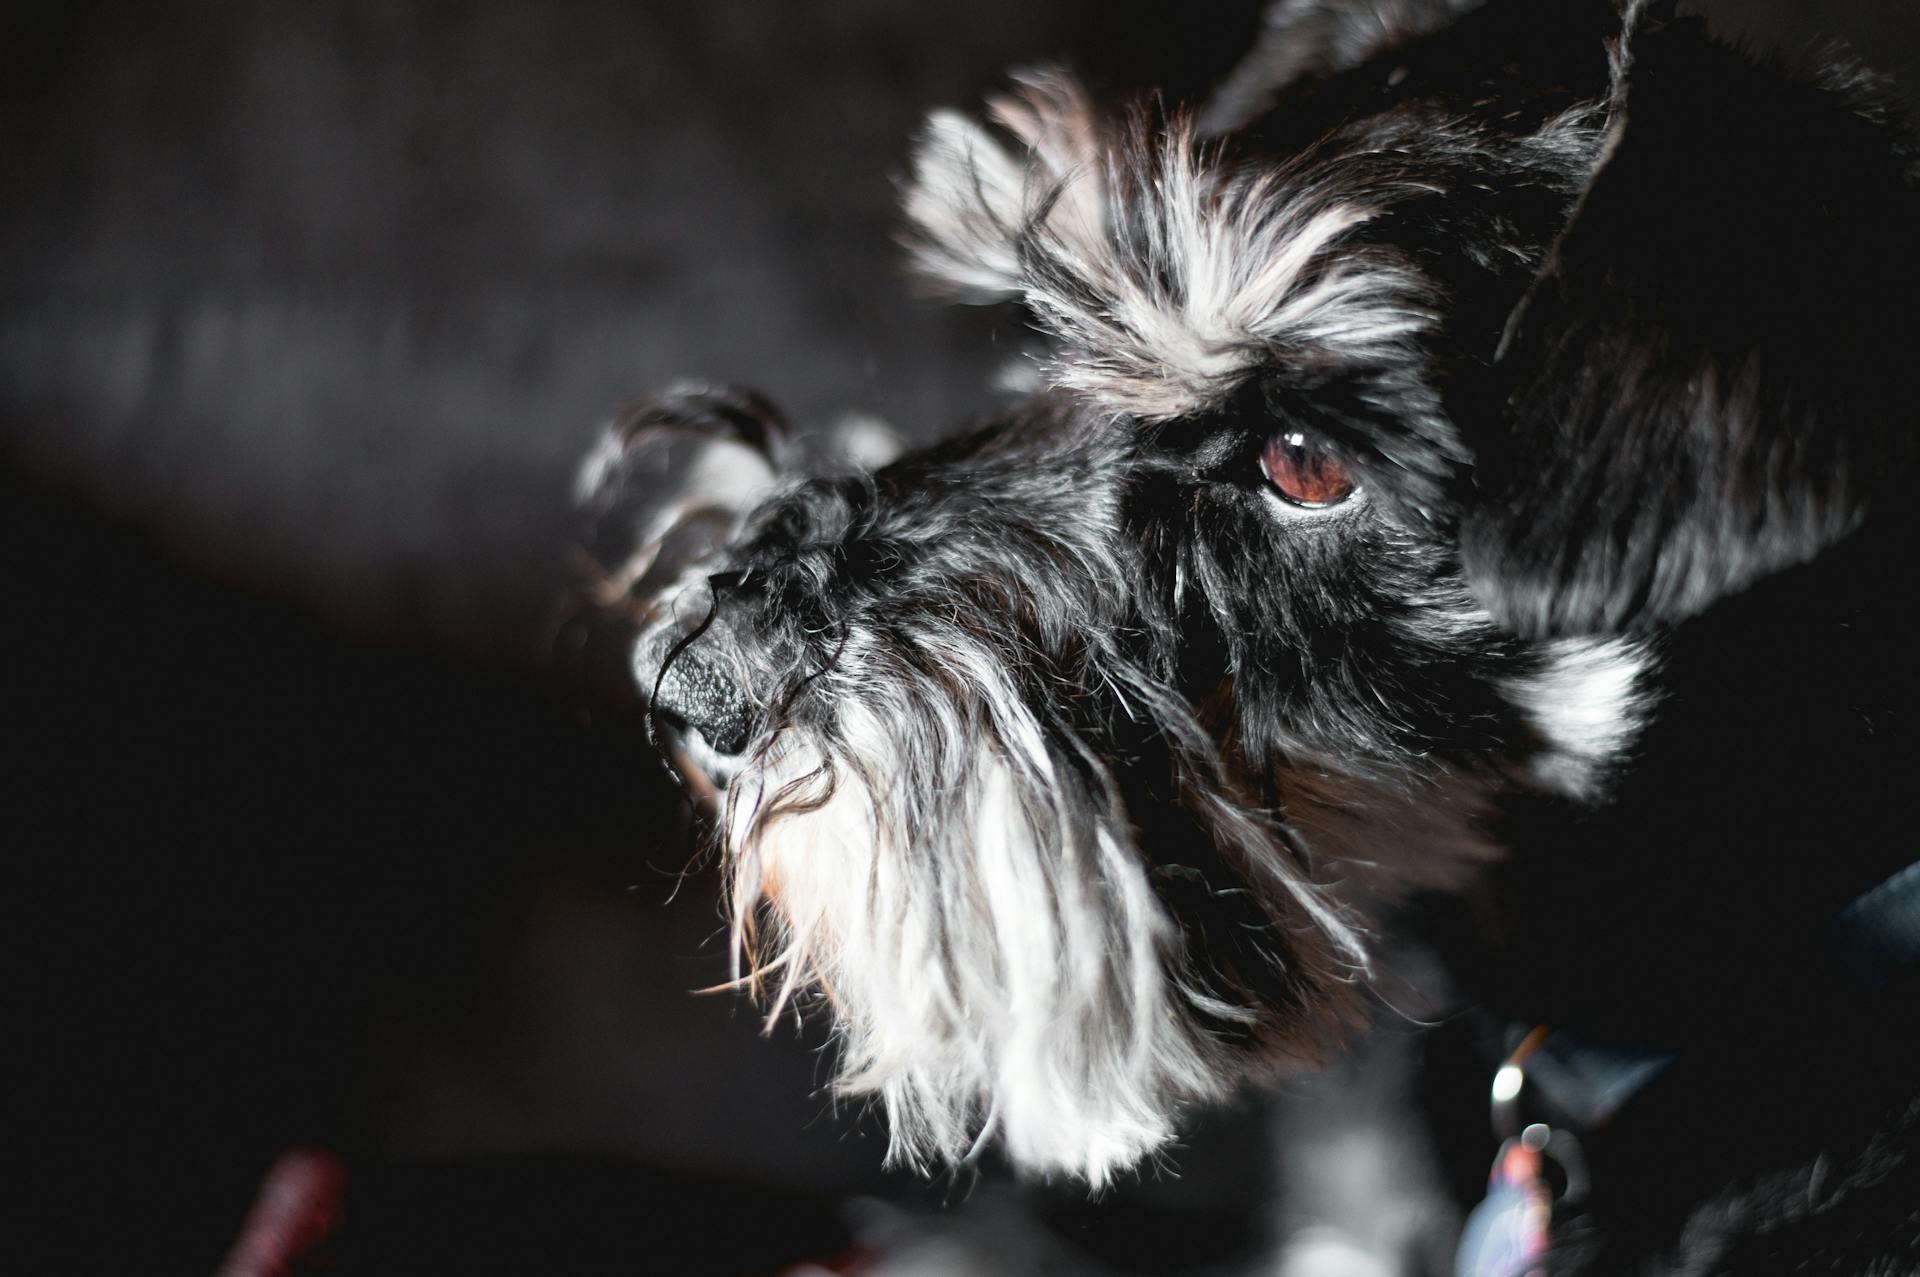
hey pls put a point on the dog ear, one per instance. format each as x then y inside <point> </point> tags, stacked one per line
<point>1710,379</point>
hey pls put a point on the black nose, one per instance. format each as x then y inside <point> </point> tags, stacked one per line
<point>695,688</point>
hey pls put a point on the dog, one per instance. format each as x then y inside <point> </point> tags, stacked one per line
<point>1466,496</point>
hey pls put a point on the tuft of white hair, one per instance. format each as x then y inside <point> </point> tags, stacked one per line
<point>1589,701</point>
<point>1165,272</point>
<point>982,994</point>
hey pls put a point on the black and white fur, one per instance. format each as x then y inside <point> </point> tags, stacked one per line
<point>1075,767</point>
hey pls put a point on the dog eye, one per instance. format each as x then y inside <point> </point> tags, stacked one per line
<point>1304,471</point>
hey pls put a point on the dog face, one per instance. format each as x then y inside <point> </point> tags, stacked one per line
<point>1062,757</point>
<point>1067,759</point>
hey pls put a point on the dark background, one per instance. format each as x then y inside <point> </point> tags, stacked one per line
<point>323,829</point>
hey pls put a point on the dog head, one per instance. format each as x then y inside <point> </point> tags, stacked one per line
<point>1067,759</point>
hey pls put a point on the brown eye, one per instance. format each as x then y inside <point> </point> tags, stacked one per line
<point>1304,471</point>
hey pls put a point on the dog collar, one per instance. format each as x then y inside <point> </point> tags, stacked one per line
<point>1874,942</point>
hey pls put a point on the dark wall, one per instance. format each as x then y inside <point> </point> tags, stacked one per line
<point>336,294</point>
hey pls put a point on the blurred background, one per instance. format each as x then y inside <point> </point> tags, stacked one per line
<point>325,830</point>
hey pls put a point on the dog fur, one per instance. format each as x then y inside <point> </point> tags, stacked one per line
<point>1077,766</point>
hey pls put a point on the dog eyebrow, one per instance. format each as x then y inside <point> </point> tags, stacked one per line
<point>1164,271</point>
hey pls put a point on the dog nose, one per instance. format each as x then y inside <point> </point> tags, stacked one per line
<point>694,688</point>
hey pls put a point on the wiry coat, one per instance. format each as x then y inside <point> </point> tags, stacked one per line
<point>1074,761</point>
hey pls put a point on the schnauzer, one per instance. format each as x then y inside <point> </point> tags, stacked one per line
<point>1467,489</point>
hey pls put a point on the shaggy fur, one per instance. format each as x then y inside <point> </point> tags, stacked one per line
<point>1073,761</point>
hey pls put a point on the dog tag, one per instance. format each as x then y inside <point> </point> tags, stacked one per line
<point>1506,1235</point>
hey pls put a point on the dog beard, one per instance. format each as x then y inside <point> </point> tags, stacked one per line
<point>970,900</point>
